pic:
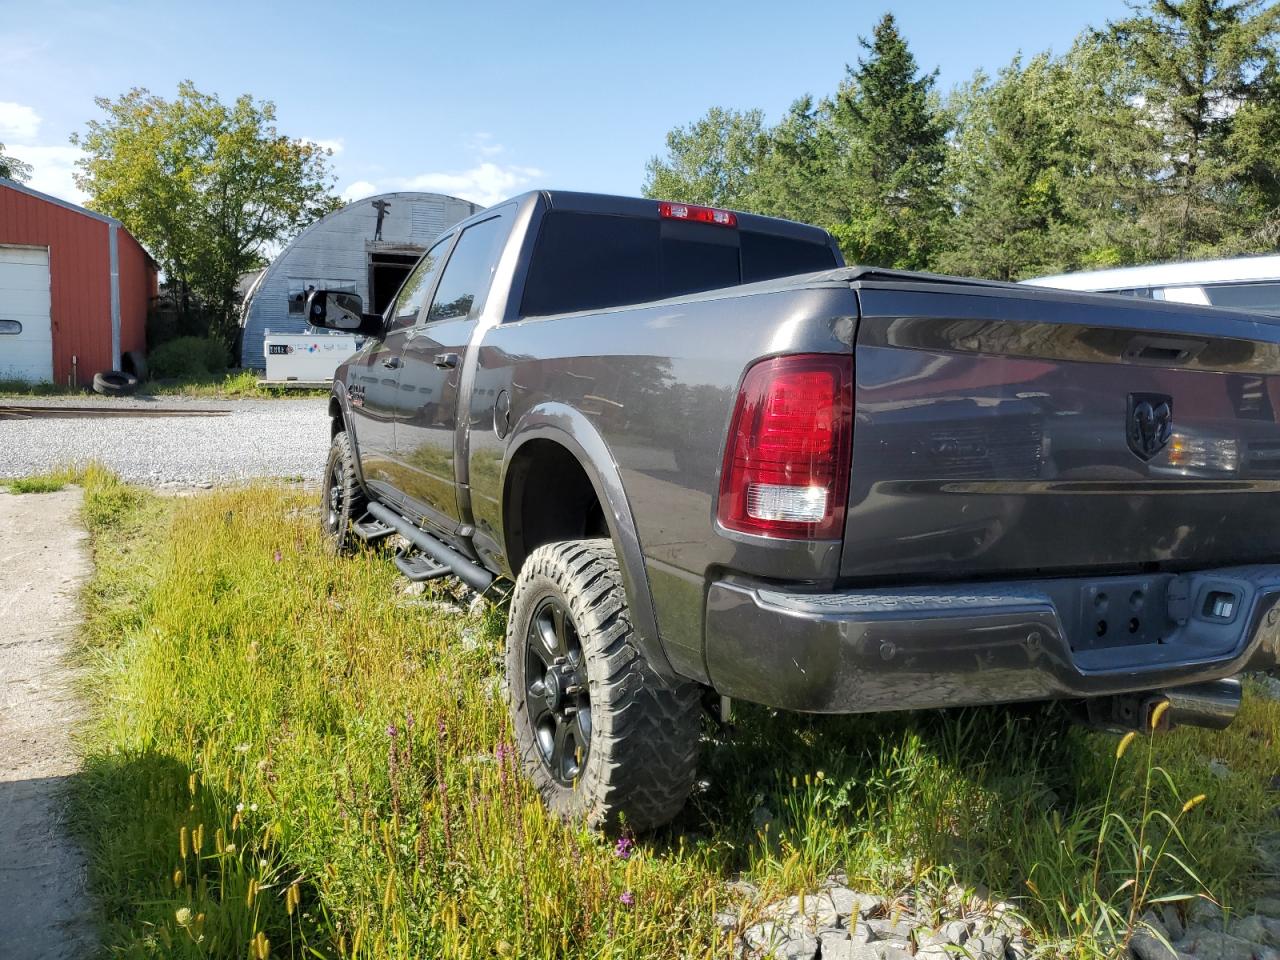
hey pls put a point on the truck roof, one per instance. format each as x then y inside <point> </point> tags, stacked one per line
<point>616,205</point>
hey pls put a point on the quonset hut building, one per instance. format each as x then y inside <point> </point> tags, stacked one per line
<point>367,248</point>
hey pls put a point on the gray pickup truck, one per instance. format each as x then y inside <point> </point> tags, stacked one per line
<point>716,461</point>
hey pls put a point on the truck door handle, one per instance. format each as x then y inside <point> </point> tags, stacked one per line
<point>446,361</point>
<point>391,363</point>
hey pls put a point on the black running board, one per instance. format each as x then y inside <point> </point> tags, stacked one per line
<point>371,531</point>
<point>472,574</point>
<point>419,567</point>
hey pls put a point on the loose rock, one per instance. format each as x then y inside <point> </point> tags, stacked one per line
<point>1212,945</point>
<point>850,903</point>
<point>1147,946</point>
<point>892,928</point>
<point>1268,907</point>
<point>847,950</point>
<point>987,948</point>
<point>956,932</point>
<point>1249,928</point>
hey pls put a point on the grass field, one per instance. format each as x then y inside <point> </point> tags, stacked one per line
<point>293,758</point>
<point>238,385</point>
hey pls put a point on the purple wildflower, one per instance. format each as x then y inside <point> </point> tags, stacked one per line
<point>278,556</point>
<point>624,848</point>
<point>627,899</point>
<point>392,732</point>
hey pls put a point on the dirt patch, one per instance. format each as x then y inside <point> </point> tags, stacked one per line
<point>45,561</point>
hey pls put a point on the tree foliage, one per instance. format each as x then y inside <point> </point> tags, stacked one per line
<point>208,188</point>
<point>11,168</point>
<point>891,137</point>
<point>1201,63</point>
<point>1152,138</point>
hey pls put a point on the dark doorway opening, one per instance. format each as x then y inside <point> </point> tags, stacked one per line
<point>386,272</point>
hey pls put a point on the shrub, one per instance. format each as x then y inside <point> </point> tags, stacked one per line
<point>188,357</point>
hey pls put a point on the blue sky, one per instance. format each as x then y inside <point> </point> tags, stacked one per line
<point>478,99</point>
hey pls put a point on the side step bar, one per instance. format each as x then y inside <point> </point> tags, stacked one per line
<point>419,567</point>
<point>472,574</point>
<point>371,531</point>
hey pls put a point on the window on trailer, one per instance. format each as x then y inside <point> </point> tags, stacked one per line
<point>1260,297</point>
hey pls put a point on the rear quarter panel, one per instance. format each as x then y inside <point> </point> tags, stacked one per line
<point>658,383</point>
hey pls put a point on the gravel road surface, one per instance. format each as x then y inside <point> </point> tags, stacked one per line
<point>257,438</point>
<point>45,559</point>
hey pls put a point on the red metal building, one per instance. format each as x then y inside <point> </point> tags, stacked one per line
<point>74,289</point>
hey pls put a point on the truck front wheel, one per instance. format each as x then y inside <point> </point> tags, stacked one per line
<point>603,738</point>
<point>341,500</point>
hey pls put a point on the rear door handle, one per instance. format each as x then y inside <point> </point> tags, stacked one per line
<point>446,361</point>
<point>391,363</point>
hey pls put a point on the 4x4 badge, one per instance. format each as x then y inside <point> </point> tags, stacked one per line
<point>1149,423</point>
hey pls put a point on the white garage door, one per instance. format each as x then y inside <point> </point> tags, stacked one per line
<point>26,335</point>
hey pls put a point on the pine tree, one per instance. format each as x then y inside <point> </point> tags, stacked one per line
<point>1207,67</point>
<point>890,138</point>
<point>1012,154</point>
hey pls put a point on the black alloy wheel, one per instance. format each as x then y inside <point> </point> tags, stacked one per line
<point>559,704</point>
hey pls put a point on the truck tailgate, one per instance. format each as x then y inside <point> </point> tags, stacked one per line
<point>1010,433</point>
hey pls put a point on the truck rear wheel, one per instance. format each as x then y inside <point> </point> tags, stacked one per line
<point>341,500</point>
<point>603,738</point>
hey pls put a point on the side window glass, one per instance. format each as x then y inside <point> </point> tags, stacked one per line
<point>1262,297</point>
<point>467,275</point>
<point>408,302</point>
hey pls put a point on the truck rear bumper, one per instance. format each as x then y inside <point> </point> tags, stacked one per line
<point>902,649</point>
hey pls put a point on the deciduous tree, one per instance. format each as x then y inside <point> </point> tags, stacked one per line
<point>12,168</point>
<point>713,160</point>
<point>207,187</point>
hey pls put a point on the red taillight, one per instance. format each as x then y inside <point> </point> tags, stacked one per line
<point>687,211</point>
<point>786,463</point>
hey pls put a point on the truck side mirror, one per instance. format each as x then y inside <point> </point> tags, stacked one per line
<point>337,310</point>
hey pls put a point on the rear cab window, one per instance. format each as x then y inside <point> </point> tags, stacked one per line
<point>593,261</point>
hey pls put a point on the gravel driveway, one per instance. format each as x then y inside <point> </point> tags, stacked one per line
<point>257,438</point>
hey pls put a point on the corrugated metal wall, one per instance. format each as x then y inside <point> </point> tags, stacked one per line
<point>334,252</point>
<point>138,285</point>
<point>80,280</point>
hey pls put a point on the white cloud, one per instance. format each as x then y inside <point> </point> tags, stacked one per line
<point>51,169</point>
<point>18,122</point>
<point>482,145</point>
<point>358,191</point>
<point>335,145</point>
<point>485,184</point>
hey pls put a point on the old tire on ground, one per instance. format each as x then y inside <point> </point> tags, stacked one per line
<point>114,383</point>
<point>341,499</point>
<point>603,738</point>
<point>135,362</point>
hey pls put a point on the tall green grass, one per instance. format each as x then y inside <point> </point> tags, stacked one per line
<point>51,481</point>
<point>293,758</point>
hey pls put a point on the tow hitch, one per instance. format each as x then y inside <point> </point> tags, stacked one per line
<point>1213,705</point>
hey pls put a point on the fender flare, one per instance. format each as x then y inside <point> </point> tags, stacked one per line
<point>338,396</point>
<point>570,429</point>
